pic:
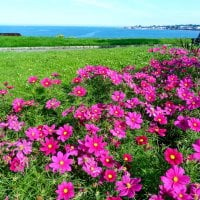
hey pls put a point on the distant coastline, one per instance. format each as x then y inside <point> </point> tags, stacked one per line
<point>192,27</point>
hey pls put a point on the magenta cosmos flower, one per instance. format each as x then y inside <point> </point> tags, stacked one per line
<point>110,175</point>
<point>196,146</point>
<point>128,186</point>
<point>32,79</point>
<point>79,91</point>
<point>95,144</point>
<point>134,120</point>
<point>127,157</point>
<point>175,179</point>
<point>116,111</point>
<point>194,124</point>
<point>64,132</point>
<point>61,163</point>
<point>52,104</point>
<point>173,157</point>
<point>46,82</point>
<point>65,191</point>
<point>118,96</point>
<point>182,122</point>
<point>49,146</point>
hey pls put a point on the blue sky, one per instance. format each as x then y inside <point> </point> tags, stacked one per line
<point>99,12</point>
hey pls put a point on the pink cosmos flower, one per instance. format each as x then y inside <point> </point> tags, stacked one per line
<point>52,104</point>
<point>186,83</point>
<point>49,146</point>
<point>79,91</point>
<point>25,146</point>
<point>155,129</point>
<point>18,163</point>
<point>181,195</point>
<point>160,118</point>
<point>107,160</point>
<point>32,133</point>
<point>32,79</point>
<point>118,96</point>
<point>110,175</point>
<point>182,122</point>
<point>195,191</point>
<point>68,110</point>
<point>141,140</point>
<point>61,163</point>
<point>91,128</point>
<point>132,103</point>
<point>18,104</point>
<point>95,144</point>
<point>46,82</point>
<point>76,80</point>
<point>175,179</point>
<point>120,133</point>
<point>49,130</point>
<point>173,157</point>
<point>127,157</point>
<point>3,92</point>
<point>71,150</point>
<point>65,191</point>
<point>116,111</point>
<point>92,168</point>
<point>64,132</point>
<point>134,120</point>
<point>128,186</point>
<point>194,124</point>
<point>196,155</point>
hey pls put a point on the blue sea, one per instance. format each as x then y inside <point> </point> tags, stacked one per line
<point>96,32</point>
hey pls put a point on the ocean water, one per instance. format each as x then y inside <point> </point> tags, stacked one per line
<point>96,32</point>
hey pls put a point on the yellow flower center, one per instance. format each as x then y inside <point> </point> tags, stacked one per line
<point>141,140</point>
<point>125,158</point>
<point>116,112</point>
<point>50,146</point>
<point>175,179</point>
<point>128,185</point>
<point>92,168</point>
<point>110,176</point>
<point>172,157</point>
<point>107,160</point>
<point>95,144</point>
<point>61,162</point>
<point>180,195</point>
<point>21,147</point>
<point>79,92</point>
<point>65,190</point>
<point>159,119</point>
<point>65,133</point>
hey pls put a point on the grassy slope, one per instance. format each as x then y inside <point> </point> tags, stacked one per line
<point>53,41</point>
<point>16,67</point>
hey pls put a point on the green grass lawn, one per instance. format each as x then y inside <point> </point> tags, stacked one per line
<point>16,67</point>
<point>8,41</point>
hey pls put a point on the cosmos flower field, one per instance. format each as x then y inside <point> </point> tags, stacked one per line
<point>128,134</point>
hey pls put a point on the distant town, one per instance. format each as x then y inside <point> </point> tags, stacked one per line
<point>193,27</point>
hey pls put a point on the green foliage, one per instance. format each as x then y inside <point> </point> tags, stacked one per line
<point>6,41</point>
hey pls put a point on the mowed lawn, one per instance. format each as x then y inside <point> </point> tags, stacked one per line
<point>16,67</point>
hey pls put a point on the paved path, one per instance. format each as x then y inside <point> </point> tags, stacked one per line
<point>57,48</point>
